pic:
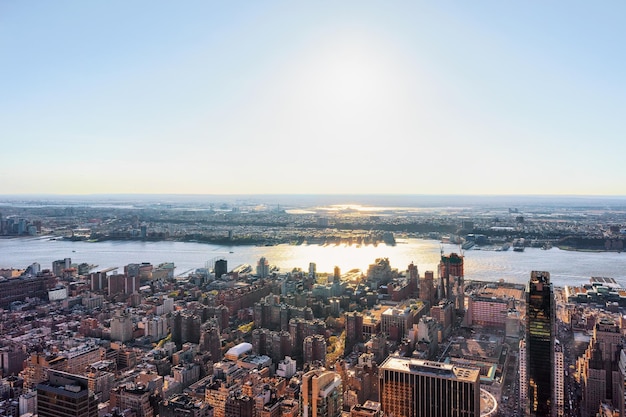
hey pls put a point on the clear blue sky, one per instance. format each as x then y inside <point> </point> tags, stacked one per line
<point>416,97</point>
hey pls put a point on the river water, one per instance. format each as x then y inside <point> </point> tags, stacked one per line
<point>565,267</point>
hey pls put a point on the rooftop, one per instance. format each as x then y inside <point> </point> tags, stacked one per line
<point>412,365</point>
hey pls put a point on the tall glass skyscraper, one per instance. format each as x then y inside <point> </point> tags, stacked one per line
<point>540,316</point>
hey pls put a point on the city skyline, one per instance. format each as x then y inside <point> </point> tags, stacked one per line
<point>279,98</point>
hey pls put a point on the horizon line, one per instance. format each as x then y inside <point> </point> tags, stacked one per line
<point>39,195</point>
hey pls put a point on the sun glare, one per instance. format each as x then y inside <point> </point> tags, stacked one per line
<point>349,72</point>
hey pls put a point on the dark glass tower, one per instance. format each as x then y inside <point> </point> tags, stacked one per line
<point>221,268</point>
<point>540,344</point>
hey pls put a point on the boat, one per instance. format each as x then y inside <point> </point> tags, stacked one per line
<point>518,249</point>
<point>505,247</point>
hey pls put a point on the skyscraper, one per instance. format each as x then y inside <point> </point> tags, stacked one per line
<point>451,269</point>
<point>263,268</point>
<point>523,376</point>
<point>121,326</point>
<point>413,387</point>
<point>221,268</point>
<point>354,329</point>
<point>600,377</point>
<point>314,349</point>
<point>539,345</point>
<point>559,380</point>
<point>427,289</point>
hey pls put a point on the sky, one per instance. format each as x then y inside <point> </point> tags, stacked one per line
<point>319,97</point>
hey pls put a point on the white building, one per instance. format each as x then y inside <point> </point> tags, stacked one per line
<point>559,380</point>
<point>28,403</point>
<point>427,329</point>
<point>286,368</point>
<point>236,352</point>
<point>121,327</point>
<point>523,376</point>
<point>263,268</point>
<point>154,328</point>
<point>57,294</point>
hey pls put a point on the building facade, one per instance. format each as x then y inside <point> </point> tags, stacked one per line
<point>417,388</point>
<point>540,345</point>
<point>322,394</point>
<point>65,394</point>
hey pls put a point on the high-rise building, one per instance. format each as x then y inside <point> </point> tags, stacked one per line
<point>121,327</point>
<point>314,349</point>
<point>260,338</point>
<point>28,403</point>
<point>61,265</point>
<point>427,289</point>
<point>122,284</point>
<point>600,377</point>
<point>11,360</point>
<point>413,279</point>
<point>210,340</point>
<point>451,274</point>
<point>321,394</point>
<point>354,329</point>
<point>263,268</point>
<point>221,268</point>
<point>65,394</point>
<point>523,376</point>
<point>98,281</point>
<point>540,345</point>
<point>412,387</point>
<point>286,368</point>
<point>281,345</point>
<point>443,312</point>
<point>185,327</point>
<point>622,385</point>
<point>559,380</point>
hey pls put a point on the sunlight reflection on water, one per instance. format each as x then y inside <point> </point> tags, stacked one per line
<point>566,268</point>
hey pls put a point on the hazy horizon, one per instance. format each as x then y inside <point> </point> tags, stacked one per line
<point>310,200</point>
<point>275,97</point>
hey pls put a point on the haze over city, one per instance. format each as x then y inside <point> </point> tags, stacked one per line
<point>324,97</point>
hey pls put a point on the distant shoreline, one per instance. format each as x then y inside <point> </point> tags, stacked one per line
<point>262,242</point>
<point>572,249</point>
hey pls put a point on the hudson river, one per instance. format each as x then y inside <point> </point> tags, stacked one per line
<point>565,267</point>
